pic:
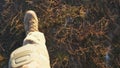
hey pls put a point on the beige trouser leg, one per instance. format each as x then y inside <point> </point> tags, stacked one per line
<point>33,53</point>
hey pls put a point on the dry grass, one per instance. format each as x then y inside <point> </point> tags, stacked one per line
<point>79,33</point>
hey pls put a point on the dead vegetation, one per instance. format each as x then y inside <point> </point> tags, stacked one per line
<point>79,33</point>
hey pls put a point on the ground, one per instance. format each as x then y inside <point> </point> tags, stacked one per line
<point>79,33</point>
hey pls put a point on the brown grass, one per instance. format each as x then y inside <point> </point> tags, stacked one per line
<point>79,33</point>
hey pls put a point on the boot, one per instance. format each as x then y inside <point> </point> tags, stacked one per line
<point>30,22</point>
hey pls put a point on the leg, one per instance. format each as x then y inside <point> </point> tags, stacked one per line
<point>34,51</point>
